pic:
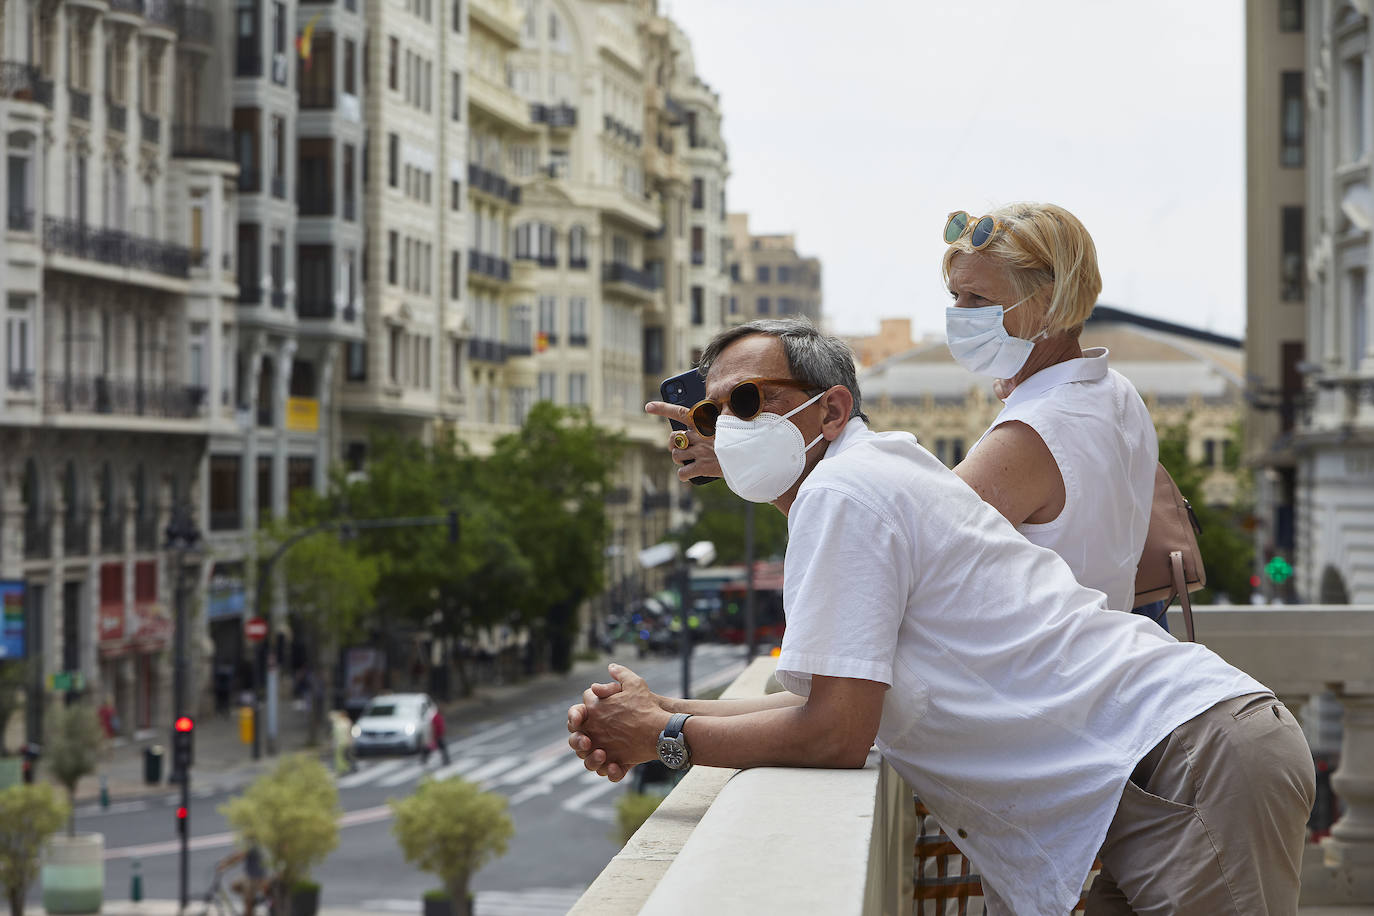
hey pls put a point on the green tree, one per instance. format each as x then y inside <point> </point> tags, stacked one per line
<point>550,481</point>
<point>74,741</point>
<point>29,816</point>
<point>330,587</point>
<point>1227,550</point>
<point>721,520</point>
<point>11,686</point>
<point>451,828</point>
<point>291,814</point>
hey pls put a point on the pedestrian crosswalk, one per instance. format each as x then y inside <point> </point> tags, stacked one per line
<point>536,901</point>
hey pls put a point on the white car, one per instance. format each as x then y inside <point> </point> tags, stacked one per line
<point>394,723</point>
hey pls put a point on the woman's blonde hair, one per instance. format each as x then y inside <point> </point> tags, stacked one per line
<point>1043,245</point>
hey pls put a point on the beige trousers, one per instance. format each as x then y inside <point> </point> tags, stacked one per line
<point>1213,820</point>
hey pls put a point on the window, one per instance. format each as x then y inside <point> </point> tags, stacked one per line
<point>350,204</point>
<point>279,156</point>
<point>548,318</point>
<point>734,305</point>
<point>350,64</point>
<point>1290,15</point>
<point>18,344</point>
<point>577,321</point>
<point>225,507</point>
<point>698,306</point>
<point>393,160</point>
<point>314,276</point>
<point>17,185</point>
<point>698,194</point>
<point>698,245</point>
<point>279,27</point>
<point>356,360</point>
<point>455,275</point>
<point>1291,116</point>
<point>394,351</point>
<point>456,100</point>
<point>577,247</point>
<point>784,274</point>
<point>763,307</point>
<point>315,76</point>
<point>277,265</point>
<point>548,386</point>
<point>455,195</point>
<point>1291,270</point>
<point>457,16</point>
<point>1359,317</point>
<point>577,388</point>
<point>734,272</point>
<point>763,274</point>
<point>1354,116</point>
<point>249,261</point>
<point>393,66</point>
<point>393,244</point>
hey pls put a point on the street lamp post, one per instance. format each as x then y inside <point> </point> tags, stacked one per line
<point>182,537</point>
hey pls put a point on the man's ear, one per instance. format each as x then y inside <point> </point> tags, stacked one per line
<point>836,406</point>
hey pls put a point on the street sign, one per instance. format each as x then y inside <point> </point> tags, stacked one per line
<point>255,629</point>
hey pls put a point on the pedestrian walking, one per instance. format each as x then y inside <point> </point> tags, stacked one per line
<point>437,730</point>
<point>341,731</point>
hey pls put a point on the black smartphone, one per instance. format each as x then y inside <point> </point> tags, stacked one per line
<point>685,390</point>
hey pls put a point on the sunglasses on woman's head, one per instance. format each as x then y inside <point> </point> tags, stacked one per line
<point>745,400</point>
<point>984,228</point>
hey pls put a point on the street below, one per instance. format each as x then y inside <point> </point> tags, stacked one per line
<point>565,830</point>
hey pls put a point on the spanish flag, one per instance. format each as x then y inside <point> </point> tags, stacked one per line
<point>306,36</point>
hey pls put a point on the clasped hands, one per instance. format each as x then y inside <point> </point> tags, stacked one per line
<point>617,724</point>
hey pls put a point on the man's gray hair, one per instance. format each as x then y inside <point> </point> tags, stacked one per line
<point>818,359</point>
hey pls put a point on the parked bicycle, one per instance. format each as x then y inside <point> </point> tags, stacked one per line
<point>244,895</point>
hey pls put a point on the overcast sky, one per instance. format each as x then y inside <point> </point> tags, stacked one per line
<point>859,124</point>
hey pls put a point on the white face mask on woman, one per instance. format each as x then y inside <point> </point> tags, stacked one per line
<point>978,340</point>
<point>761,458</point>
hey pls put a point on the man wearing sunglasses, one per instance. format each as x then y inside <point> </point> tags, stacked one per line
<point>1039,727</point>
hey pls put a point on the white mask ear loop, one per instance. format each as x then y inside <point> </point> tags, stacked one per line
<point>803,407</point>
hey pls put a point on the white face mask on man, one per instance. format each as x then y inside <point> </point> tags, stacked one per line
<point>978,340</point>
<point>761,458</point>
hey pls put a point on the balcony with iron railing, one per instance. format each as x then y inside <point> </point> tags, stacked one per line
<point>99,394</point>
<point>19,380</point>
<point>737,842</point>
<point>194,23</point>
<point>315,304</point>
<point>80,104</point>
<point>17,219</point>
<point>559,117</point>
<point>202,141</point>
<point>487,351</point>
<point>629,279</point>
<point>37,536</point>
<point>150,128</point>
<point>145,532</point>
<point>489,182</point>
<point>487,265</point>
<point>24,82</point>
<point>116,116</point>
<point>316,97</point>
<point>112,530</point>
<point>312,200</point>
<point>76,532</point>
<point>115,247</point>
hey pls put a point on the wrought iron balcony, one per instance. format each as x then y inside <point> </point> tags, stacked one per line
<point>19,220</point>
<point>152,128</point>
<point>112,531</point>
<point>488,351</point>
<point>559,117</point>
<point>314,201</point>
<point>488,265</point>
<point>19,380</point>
<point>117,116</point>
<point>127,6</point>
<point>145,533</point>
<point>113,246</point>
<point>195,141</point>
<point>193,22</point>
<point>577,263</point>
<point>76,532</point>
<point>24,82</point>
<point>315,305</point>
<point>317,97</point>
<point>489,182</point>
<point>624,273</point>
<point>249,295</point>
<point>248,64</point>
<point>250,181</point>
<point>99,394</point>
<point>81,104</point>
<point>37,537</point>
<point>278,298</point>
<point>698,258</point>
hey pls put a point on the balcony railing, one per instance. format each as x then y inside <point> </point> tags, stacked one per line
<point>76,532</point>
<point>225,521</point>
<point>113,246</point>
<point>152,128</point>
<point>160,11</point>
<point>278,298</point>
<point>489,182</point>
<point>117,116</point>
<point>577,263</point>
<point>100,394</point>
<point>513,350</point>
<point>127,6</point>
<point>698,258</point>
<point>194,23</point>
<point>315,201</point>
<point>249,295</point>
<point>81,104</point>
<point>488,265</point>
<point>624,273</point>
<point>250,180</point>
<point>196,141</point>
<point>315,306</point>
<point>488,351</point>
<point>24,83</point>
<point>19,220</point>
<point>19,380</point>
<point>246,64</point>
<point>37,537</point>
<point>560,117</point>
<point>145,532</point>
<point>317,97</point>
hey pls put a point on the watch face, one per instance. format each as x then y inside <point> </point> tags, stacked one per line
<point>673,753</point>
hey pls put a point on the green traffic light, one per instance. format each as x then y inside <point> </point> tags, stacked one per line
<point>1278,569</point>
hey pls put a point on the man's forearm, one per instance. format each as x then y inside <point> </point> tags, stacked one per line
<point>789,735</point>
<point>735,707</point>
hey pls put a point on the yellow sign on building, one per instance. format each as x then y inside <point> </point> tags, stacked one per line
<point>303,415</point>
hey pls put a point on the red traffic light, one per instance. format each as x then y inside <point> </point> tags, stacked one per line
<point>181,812</point>
<point>1254,581</point>
<point>184,724</point>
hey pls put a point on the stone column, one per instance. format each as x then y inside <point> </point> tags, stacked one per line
<point>1350,847</point>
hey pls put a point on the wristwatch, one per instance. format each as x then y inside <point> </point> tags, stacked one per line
<point>672,743</point>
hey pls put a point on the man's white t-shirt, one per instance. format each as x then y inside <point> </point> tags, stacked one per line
<point>1019,704</point>
<point>1103,440</point>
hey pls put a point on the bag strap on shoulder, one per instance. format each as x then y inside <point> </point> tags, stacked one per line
<point>1181,589</point>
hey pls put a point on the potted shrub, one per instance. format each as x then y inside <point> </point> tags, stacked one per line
<point>451,828</point>
<point>73,874</point>
<point>31,814</point>
<point>291,814</point>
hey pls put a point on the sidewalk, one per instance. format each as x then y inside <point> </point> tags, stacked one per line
<point>223,763</point>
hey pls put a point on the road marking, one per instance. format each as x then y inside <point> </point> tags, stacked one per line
<point>405,774</point>
<point>365,816</point>
<point>527,772</point>
<point>547,781</point>
<point>492,767</point>
<point>536,901</point>
<point>208,841</point>
<point>128,807</point>
<point>579,801</point>
<point>458,767</point>
<point>367,774</point>
<point>483,736</point>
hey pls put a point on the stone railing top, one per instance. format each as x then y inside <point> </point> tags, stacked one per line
<point>1291,648</point>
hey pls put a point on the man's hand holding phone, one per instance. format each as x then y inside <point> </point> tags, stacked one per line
<point>694,456</point>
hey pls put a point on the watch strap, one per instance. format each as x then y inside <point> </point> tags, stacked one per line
<point>675,723</point>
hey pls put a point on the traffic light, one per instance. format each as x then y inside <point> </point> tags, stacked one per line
<point>183,731</point>
<point>453,526</point>
<point>182,818</point>
<point>1278,570</point>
